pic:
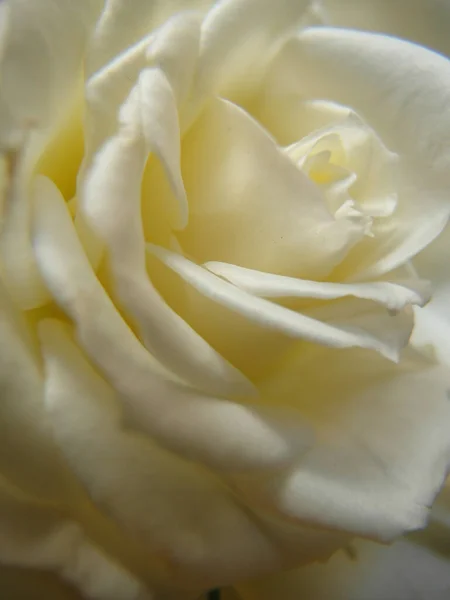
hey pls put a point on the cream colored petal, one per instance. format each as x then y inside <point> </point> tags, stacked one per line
<point>425,22</point>
<point>29,459</point>
<point>394,295</point>
<point>43,49</point>
<point>406,102</point>
<point>123,23</point>
<point>382,449</point>
<point>39,538</point>
<point>40,69</point>
<point>270,315</point>
<point>160,125</point>
<point>217,432</point>
<point>238,39</point>
<point>182,514</point>
<point>175,49</point>
<point>112,209</point>
<point>242,187</point>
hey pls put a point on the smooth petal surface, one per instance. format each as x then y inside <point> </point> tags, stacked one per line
<point>425,22</point>
<point>382,450</point>
<point>405,101</point>
<point>242,187</point>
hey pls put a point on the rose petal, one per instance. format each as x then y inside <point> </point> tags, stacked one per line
<point>112,208</point>
<point>36,537</point>
<point>394,295</point>
<point>43,49</point>
<point>406,102</point>
<point>270,315</point>
<point>175,49</point>
<point>425,22</point>
<point>29,458</point>
<point>40,68</point>
<point>242,187</point>
<point>218,432</point>
<point>382,449</point>
<point>123,23</point>
<point>238,38</point>
<point>157,497</point>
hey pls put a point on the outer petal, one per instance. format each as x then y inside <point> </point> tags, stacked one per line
<point>239,37</point>
<point>190,525</point>
<point>44,45</point>
<point>113,211</point>
<point>367,571</point>
<point>35,537</point>
<point>425,22</point>
<point>40,69</point>
<point>123,23</point>
<point>406,101</point>
<point>382,448</point>
<point>29,459</point>
<point>272,316</point>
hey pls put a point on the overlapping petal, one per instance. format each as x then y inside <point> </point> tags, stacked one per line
<point>36,537</point>
<point>274,316</point>
<point>382,451</point>
<point>112,197</point>
<point>406,101</point>
<point>215,431</point>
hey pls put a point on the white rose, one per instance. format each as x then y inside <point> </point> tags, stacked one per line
<point>209,220</point>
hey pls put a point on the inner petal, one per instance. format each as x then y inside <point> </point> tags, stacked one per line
<point>250,205</point>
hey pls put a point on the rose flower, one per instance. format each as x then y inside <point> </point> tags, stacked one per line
<point>218,226</point>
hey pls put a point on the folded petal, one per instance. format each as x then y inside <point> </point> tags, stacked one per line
<point>268,314</point>
<point>394,295</point>
<point>238,39</point>
<point>122,24</point>
<point>218,432</point>
<point>112,197</point>
<point>29,459</point>
<point>241,186</point>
